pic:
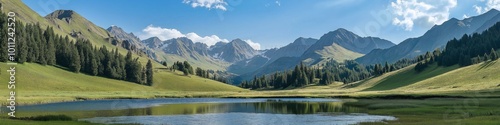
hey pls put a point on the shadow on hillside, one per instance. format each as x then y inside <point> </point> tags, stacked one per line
<point>409,77</point>
<point>486,65</point>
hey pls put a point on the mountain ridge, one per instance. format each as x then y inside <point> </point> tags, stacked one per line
<point>434,38</point>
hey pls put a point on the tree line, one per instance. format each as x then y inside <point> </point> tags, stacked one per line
<point>187,70</point>
<point>330,72</point>
<point>43,46</point>
<point>211,74</point>
<point>468,50</point>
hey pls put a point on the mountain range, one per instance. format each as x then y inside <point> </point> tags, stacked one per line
<point>338,45</point>
<point>434,38</point>
<point>240,58</point>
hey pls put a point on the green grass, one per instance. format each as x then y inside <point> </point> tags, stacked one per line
<point>409,76</point>
<point>472,111</point>
<point>338,53</point>
<point>42,84</point>
<point>482,76</point>
<point>178,82</point>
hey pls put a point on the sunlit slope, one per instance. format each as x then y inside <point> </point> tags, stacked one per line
<point>436,78</point>
<point>167,80</point>
<point>475,77</point>
<point>39,83</point>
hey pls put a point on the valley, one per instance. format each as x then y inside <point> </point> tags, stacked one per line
<point>65,59</point>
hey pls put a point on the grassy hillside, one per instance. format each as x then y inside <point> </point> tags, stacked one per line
<point>338,53</point>
<point>37,84</point>
<point>176,81</point>
<point>475,77</point>
<point>408,76</point>
<point>479,80</point>
<point>78,24</point>
<point>483,76</point>
<point>23,12</point>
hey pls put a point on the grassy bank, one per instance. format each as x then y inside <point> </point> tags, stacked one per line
<point>473,111</point>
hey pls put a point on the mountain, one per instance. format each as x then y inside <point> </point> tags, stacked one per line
<point>182,49</point>
<point>355,43</point>
<point>120,34</point>
<point>127,40</point>
<point>435,38</point>
<point>294,49</point>
<point>233,51</point>
<point>341,45</point>
<point>153,42</point>
<point>72,23</point>
<point>182,46</point>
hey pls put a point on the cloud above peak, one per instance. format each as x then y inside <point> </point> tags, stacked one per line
<point>254,45</point>
<point>209,4</point>
<point>166,33</point>
<point>488,5</point>
<point>409,13</point>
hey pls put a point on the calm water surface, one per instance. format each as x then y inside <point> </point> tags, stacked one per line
<point>211,111</point>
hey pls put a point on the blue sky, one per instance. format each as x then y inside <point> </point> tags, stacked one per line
<point>268,23</point>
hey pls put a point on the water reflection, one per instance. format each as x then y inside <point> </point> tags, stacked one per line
<point>262,106</point>
<point>261,113</point>
<point>209,111</point>
<point>274,107</point>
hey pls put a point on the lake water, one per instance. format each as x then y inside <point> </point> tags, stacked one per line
<point>211,111</point>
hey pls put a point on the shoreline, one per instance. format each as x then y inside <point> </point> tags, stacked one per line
<point>353,96</point>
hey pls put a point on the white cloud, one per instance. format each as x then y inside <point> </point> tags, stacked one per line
<point>161,33</point>
<point>254,45</point>
<point>409,13</point>
<point>209,4</point>
<point>165,34</point>
<point>209,40</point>
<point>278,3</point>
<point>465,16</point>
<point>490,4</point>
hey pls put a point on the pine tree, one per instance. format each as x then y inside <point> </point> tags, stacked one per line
<point>3,37</point>
<point>387,68</point>
<point>75,60</point>
<point>50,48</point>
<point>493,54</point>
<point>144,76</point>
<point>94,63</point>
<point>22,47</point>
<point>149,73</point>
<point>325,80</point>
<point>486,57</point>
